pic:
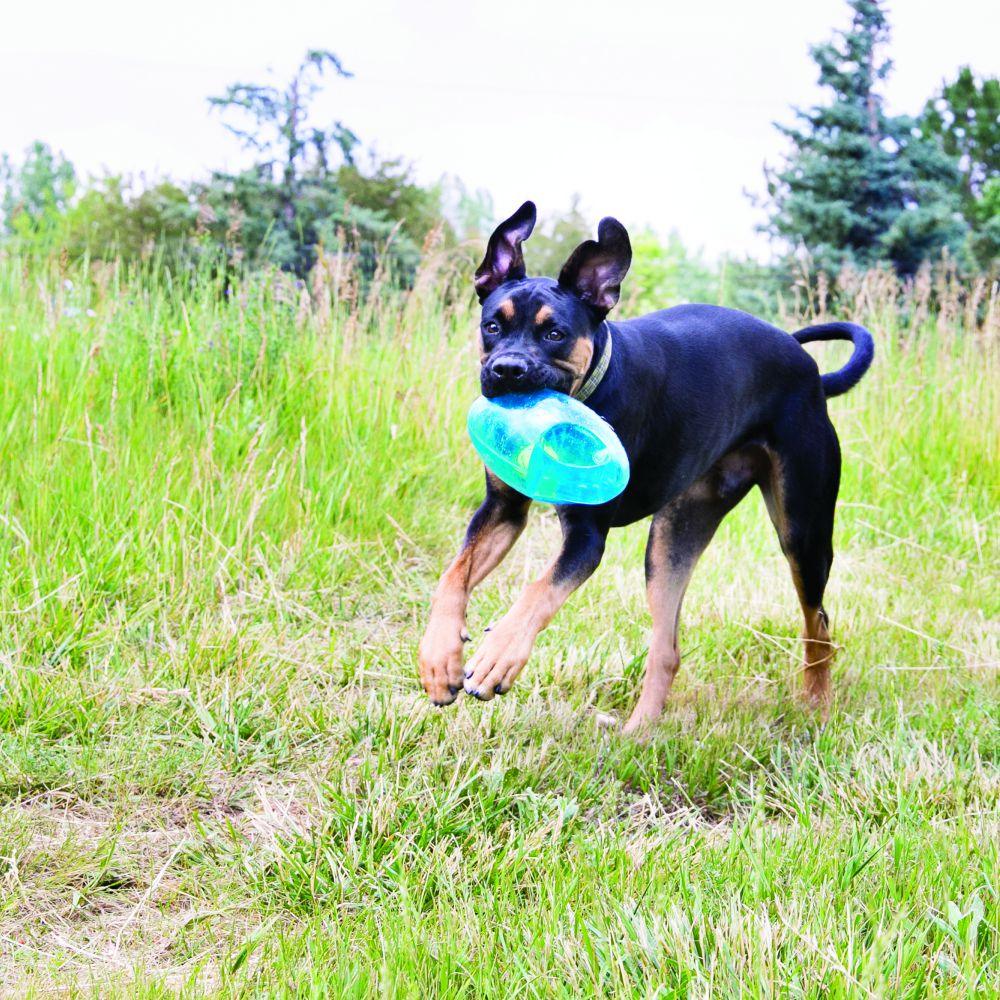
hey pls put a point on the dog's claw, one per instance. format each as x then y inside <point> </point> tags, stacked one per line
<point>454,688</point>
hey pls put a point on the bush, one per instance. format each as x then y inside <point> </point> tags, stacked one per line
<point>110,222</point>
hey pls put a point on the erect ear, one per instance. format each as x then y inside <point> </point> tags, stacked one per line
<point>596,268</point>
<point>504,260</point>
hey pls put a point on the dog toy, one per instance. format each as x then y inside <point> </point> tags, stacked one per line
<point>549,447</point>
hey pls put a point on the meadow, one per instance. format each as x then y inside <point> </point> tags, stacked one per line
<point>222,514</point>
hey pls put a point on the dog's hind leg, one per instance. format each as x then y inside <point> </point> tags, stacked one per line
<point>680,532</point>
<point>492,532</point>
<point>801,495</point>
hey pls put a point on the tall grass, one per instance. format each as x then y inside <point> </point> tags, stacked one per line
<point>222,510</point>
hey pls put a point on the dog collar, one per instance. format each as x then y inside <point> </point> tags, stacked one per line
<point>600,370</point>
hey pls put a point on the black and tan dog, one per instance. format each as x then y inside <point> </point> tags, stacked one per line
<point>708,402</point>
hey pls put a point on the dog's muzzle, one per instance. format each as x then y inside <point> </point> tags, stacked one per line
<point>515,373</point>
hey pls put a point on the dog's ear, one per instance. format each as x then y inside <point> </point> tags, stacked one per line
<point>504,260</point>
<point>596,268</point>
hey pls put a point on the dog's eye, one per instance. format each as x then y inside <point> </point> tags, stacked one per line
<point>492,328</point>
<point>554,335</point>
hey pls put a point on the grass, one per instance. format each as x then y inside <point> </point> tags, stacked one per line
<point>221,517</point>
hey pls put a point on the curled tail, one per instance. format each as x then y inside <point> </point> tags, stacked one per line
<point>864,351</point>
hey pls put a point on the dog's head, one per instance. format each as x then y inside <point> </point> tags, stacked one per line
<point>538,333</point>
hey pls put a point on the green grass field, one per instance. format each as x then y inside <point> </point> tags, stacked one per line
<point>221,519</point>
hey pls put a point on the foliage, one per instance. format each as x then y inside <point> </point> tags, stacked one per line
<point>859,185</point>
<point>555,237</point>
<point>304,190</point>
<point>280,129</point>
<point>964,117</point>
<point>45,207</point>
<point>112,221</point>
<point>666,274</point>
<point>986,216</point>
<point>34,194</point>
<point>470,213</point>
<point>388,189</point>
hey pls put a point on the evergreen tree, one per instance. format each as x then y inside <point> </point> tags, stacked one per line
<point>860,185</point>
<point>305,190</point>
<point>276,205</point>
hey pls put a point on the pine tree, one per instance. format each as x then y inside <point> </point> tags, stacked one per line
<point>859,185</point>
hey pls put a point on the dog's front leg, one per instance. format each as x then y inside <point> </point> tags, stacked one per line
<point>492,531</point>
<point>507,646</point>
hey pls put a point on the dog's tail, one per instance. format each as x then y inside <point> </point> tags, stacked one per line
<point>860,361</point>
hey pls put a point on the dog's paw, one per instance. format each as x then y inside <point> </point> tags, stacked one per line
<point>496,664</point>
<point>440,659</point>
<point>644,717</point>
<point>639,725</point>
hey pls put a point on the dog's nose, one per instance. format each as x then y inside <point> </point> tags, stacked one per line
<point>509,369</point>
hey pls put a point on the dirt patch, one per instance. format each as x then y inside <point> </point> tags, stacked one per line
<point>92,893</point>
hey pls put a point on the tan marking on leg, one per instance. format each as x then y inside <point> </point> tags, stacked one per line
<point>544,313</point>
<point>679,534</point>
<point>819,654</point>
<point>507,308</point>
<point>441,651</point>
<point>775,502</point>
<point>504,651</point>
<point>819,649</point>
<point>665,594</point>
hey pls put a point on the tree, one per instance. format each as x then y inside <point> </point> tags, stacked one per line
<point>666,273</point>
<point>964,118</point>
<point>267,203</point>
<point>387,187</point>
<point>280,128</point>
<point>859,185</point>
<point>985,239</point>
<point>112,220</point>
<point>557,237</point>
<point>108,218</point>
<point>36,193</point>
<point>305,189</point>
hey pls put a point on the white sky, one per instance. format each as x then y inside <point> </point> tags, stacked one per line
<point>657,112</point>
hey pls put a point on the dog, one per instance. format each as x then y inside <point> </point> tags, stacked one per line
<point>708,403</point>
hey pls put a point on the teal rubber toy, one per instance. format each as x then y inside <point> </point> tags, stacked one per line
<point>549,447</point>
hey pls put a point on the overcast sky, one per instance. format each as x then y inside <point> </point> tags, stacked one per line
<point>657,112</point>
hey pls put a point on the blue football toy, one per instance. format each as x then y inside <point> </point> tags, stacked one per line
<point>549,447</point>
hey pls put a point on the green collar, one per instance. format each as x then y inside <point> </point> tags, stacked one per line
<point>600,370</point>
